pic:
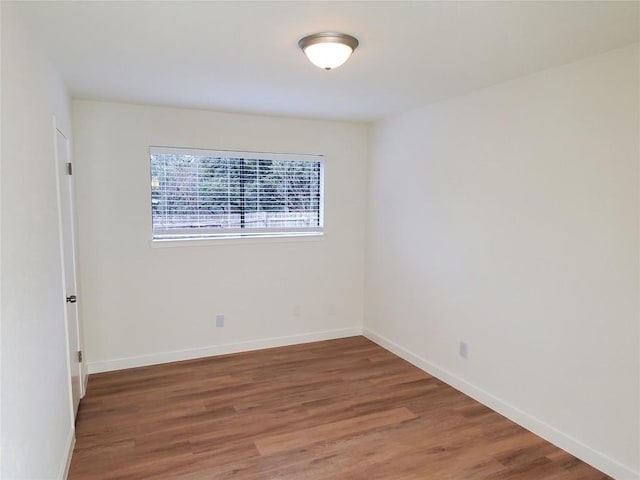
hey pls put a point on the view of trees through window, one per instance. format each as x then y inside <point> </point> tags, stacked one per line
<point>194,195</point>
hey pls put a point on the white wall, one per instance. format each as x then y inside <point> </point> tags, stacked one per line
<point>143,305</point>
<point>508,219</point>
<point>36,427</point>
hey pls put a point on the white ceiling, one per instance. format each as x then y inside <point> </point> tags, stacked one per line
<point>243,56</point>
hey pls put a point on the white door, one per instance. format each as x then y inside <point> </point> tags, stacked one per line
<point>67,216</point>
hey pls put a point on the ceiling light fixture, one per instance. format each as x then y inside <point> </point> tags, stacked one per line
<point>328,50</point>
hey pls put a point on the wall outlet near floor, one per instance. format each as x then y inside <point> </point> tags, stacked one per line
<point>219,321</point>
<point>464,350</point>
<point>296,310</point>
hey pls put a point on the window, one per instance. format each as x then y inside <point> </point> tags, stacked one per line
<point>214,194</point>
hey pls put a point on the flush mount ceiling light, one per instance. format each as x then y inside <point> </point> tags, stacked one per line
<point>328,50</point>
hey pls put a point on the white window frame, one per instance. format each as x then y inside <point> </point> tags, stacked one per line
<point>180,235</point>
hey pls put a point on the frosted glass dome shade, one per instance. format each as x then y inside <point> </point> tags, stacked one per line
<point>328,50</point>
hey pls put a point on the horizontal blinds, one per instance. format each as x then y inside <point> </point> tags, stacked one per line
<point>208,195</point>
<point>298,157</point>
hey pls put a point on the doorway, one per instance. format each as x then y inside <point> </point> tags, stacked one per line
<point>66,212</point>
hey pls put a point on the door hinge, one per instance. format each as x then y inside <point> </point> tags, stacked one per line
<point>69,168</point>
<point>79,356</point>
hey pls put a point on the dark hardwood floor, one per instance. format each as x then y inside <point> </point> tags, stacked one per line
<point>340,409</point>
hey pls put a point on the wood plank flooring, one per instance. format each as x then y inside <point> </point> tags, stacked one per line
<point>340,409</point>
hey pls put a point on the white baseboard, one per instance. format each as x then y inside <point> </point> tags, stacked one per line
<point>179,355</point>
<point>597,459</point>
<point>66,461</point>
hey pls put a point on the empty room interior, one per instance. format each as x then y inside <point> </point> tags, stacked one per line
<point>320,240</point>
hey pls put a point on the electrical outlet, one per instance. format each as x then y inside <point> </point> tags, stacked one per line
<point>296,310</point>
<point>464,350</point>
<point>219,321</point>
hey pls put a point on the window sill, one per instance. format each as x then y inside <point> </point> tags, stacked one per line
<point>208,242</point>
